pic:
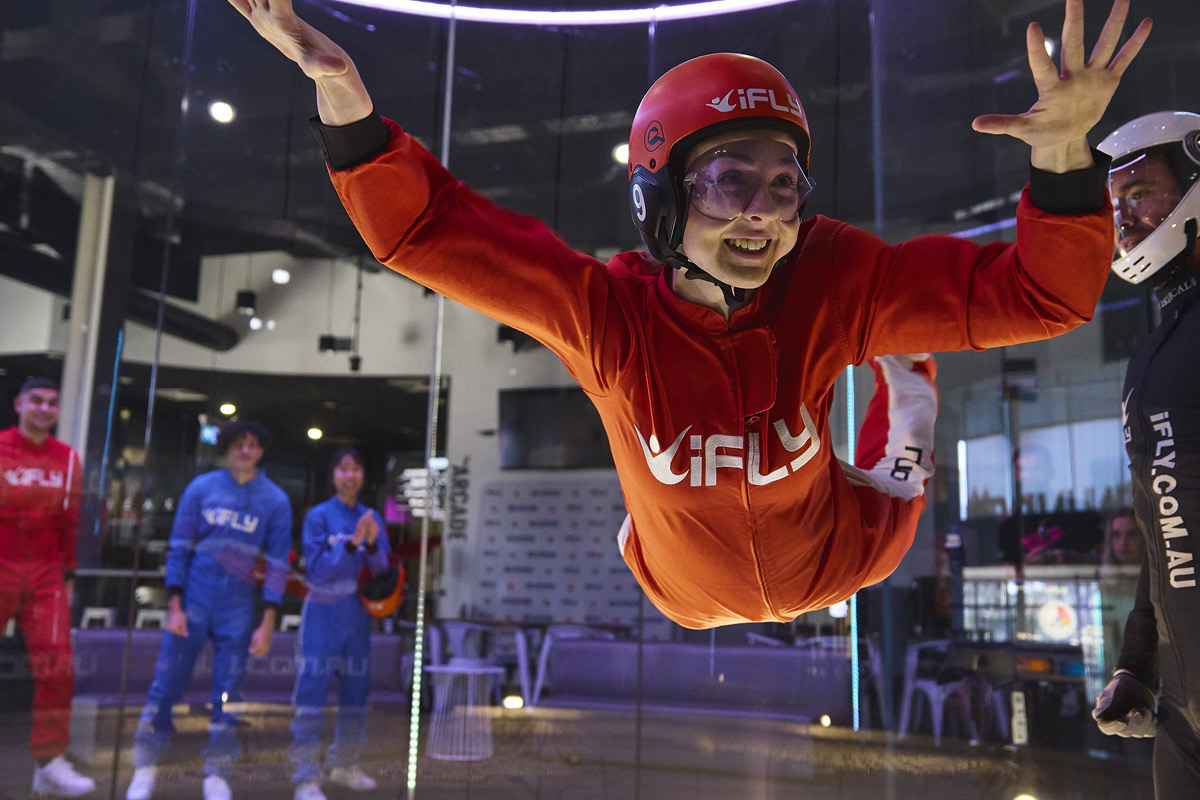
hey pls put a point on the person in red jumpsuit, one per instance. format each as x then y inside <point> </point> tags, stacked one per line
<point>712,356</point>
<point>39,508</point>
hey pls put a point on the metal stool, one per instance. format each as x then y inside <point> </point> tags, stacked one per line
<point>460,728</point>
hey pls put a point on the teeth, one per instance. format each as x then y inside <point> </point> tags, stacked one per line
<point>747,244</point>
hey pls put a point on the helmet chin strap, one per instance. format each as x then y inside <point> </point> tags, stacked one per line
<point>734,296</point>
<point>1181,263</point>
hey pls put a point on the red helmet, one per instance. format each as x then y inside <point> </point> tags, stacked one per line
<point>698,99</point>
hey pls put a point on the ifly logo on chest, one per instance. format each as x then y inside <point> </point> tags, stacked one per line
<point>722,451</point>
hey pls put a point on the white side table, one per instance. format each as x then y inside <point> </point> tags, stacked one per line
<point>460,728</point>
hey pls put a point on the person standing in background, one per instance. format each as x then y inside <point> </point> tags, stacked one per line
<point>39,511</point>
<point>342,538</point>
<point>226,519</point>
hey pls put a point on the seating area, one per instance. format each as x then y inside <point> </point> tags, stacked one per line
<point>778,683</point>
<point>581,667</point>
<point>99,657</point>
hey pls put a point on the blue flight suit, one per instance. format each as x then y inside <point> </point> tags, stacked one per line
<point>335,637</point>
<point>220,529</point>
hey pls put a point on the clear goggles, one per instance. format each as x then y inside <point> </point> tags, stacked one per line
<point>1145,191</point>
<point>725,182</point>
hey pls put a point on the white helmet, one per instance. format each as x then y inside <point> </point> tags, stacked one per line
<point>1156,201</point>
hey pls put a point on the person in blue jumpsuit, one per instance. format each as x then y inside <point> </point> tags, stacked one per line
<point>341,537</point>
<point>226,520</point>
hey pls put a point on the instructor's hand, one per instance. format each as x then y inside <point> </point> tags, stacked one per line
<point>1072,99</point>
<point>1125,708</point>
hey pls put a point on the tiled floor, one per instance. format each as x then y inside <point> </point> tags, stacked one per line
<point>557,754</point>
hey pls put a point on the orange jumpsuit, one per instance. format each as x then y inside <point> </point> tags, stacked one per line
<point>720,429</point>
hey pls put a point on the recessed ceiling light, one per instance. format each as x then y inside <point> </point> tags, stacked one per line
<point>255,323</point>
<point>315,433</point>
<point>228,409</point>
<point>221,111</point>
<point>280,276</point>
<point>620,153</point>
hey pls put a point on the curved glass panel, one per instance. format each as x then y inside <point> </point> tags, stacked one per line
<point>176,261</point>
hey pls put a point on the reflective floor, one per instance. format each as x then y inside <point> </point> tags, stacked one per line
<point>603,755</point>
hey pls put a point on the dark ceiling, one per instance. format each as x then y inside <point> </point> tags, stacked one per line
<point>536,111</point>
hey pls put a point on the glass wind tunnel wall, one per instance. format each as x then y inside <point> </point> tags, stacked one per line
<point>526,594</point>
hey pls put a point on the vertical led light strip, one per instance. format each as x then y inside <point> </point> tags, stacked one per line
<point>435,386</point>
<point>963,489</point>
<point>853,605</point>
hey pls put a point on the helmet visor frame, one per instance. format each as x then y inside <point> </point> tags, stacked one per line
<point>1146,187</point>
<point>722,183</point>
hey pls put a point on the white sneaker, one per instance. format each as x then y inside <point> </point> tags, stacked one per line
<point>215,788</point>
<point>309,790</point>
<point>59,779</point>
<point>142,785</point>
<point>352,778</point>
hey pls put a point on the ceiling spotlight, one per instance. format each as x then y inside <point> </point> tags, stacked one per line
<point>620,153</point>
<point>826,721</point>
<point>228,409</point>
<point>270,324</point>
<point>246,301</point>
<point>315,433</point>
<point>221,111</point>
<point>280,276</point>
<point>513,701</point>
<point>255,323</point>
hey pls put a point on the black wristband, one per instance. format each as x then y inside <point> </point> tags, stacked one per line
<point>351,547</point>
<point>372,548</point>
<point>347,146</point>
<point>1078,192</point>
<point>174,591</point>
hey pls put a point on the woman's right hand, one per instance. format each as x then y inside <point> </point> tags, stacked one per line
<point>341,96</point>
<point>278,23</point>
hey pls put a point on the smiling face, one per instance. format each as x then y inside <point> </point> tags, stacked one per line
<point>37,412</point>
<point>758,171</point>
<point>348,477</point>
